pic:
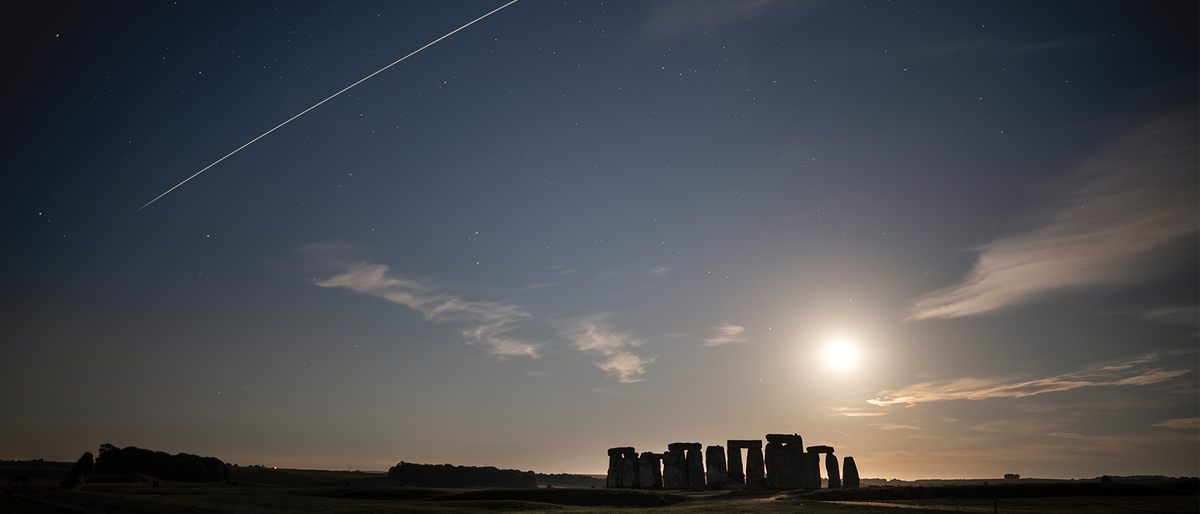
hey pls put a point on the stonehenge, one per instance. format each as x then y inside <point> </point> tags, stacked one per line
<point>786,464</point>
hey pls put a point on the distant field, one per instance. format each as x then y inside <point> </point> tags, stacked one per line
<point>269,498</point>
<point>297,477</point>
<point>263,490</point>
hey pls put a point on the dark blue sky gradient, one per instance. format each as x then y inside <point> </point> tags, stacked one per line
<point>600,190</point>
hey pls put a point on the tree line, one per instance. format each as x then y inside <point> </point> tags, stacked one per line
<point>447,475</point>
<point>181,467</point>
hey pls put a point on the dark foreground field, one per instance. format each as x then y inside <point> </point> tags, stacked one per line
<point>140,497</point>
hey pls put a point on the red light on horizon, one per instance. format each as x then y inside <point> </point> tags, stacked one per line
<point>276,467</point>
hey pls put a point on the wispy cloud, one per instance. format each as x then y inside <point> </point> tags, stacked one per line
<point>483,324</point>
<point>1051,45</point>
<point>1133,372</point>
<point>850,412</point>
<point>659,271</point>
<point>728,334</point>
<point>587,335</point>
<point>1184,315</point>
<point>1138,195</point>
<point>675,18</point>
<point>1184,423</point>
<point>991,47</point>
<point>891,426</point>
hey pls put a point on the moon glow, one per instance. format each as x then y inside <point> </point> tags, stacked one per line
<point>841,355</point>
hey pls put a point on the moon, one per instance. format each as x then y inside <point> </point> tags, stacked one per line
<point>841,354</point>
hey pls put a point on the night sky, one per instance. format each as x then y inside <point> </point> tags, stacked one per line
<point>950,239</point>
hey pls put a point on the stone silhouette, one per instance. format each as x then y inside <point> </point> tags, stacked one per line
<point>616,468</point>
<point>786,465</point>
<point>737,473</point>
<point>79,472</point>
<point>718,474</point>
<point>756,471</point>
<point>622,462</point>
<point>695,467</point>
<point>831,470</point>
<point>674,470</point>
<point>850,472</point>
<point>650,470</point>
<point>629,476</point>
<point>784,455</point>
<point>693,472</point>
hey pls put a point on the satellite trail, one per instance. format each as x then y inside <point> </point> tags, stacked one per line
<point>318,104</point>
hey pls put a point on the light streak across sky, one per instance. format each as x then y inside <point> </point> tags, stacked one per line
<point>318,104</point>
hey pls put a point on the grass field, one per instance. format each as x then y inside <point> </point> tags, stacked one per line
<point>271,491</point>
<point>254,499</point>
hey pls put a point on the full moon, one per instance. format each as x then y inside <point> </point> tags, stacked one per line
<point>841,354</point>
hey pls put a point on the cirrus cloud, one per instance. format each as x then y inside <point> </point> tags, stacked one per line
<point>1183,423</point>
<point>589,336</point>
<point>727,334</point>
<point>1137,196</point>
<point>481,323</point>
<point>1132,372</point>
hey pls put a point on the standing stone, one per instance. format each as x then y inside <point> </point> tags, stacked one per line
<point>736,475</point>
<point>756,473</point>
<point>718,474</point>
<point>806,473</point>
<point>674,469</point>
<point>851,472</point>
<point>774,463</point>
<point>793,470</point>
<point>695,468</point>
<point>79,473</point>
<point>783,464</point>
<point>618,468</point>
<point>831,470</point>
<point>691,463</point>
<point>812,463</point>
<point>649,473</point>
<point>630,475</point>
<point>781,460</point>
<point>615,468</point>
